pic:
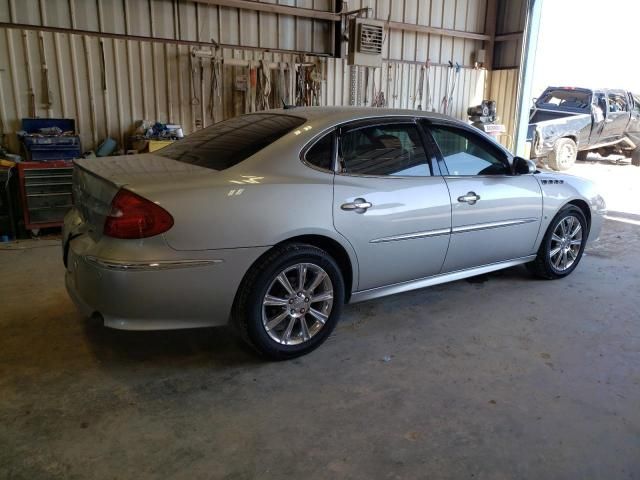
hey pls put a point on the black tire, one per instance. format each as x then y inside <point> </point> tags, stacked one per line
<point>542,266</point>
<point>635,157</point>
<point>248,306</point>
<point>563,155</point>
<point>582,155</point>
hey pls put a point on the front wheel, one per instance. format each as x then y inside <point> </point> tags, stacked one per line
<point>563,155</point>
<point>290,302</point>
<point>562,245</point>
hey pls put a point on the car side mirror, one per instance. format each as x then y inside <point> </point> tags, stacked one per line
<point>523,166</point>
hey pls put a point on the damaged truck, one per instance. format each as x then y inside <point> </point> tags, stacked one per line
<point>567,123</point>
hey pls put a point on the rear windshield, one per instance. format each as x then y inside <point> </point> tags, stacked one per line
<point>228,143</point>
<point>565,99</point>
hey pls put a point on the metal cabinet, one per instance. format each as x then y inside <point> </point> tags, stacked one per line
<point>46,191</point>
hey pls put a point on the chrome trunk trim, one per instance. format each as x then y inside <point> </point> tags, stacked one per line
<point>435,280</point>
<point>148,265</point>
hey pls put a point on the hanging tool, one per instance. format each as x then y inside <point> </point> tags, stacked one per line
<point>454,84</point>
<point>396,74</point>
<point>445,99</point>
<point>420,87</point>
<point>264,85</point>
<point>47,95</point>
<point>429,103</point>
<point>214,94</point>
<point>366,86</point>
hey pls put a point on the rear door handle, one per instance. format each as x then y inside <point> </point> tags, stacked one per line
<point>471,198</point>
<point>359,205</point>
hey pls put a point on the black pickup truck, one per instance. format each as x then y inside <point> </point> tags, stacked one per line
<point>566,123</point>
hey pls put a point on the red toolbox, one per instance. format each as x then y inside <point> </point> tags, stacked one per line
<point>46,192</point>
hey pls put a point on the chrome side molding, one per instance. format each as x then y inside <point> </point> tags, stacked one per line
<point>125,265</point>
<point>461,229</point>
<point>372,293</point>
<point>489,225</point>
<point>408,236</point>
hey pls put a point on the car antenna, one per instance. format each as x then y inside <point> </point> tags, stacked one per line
<point>285,106</point>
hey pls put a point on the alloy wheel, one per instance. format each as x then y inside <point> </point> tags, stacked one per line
<point>566,242</point>
<point>297,304</point>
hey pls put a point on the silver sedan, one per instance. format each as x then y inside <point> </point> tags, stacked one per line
<point>274,220</point>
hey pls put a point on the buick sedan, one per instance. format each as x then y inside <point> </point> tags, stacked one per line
<point>274,220</point>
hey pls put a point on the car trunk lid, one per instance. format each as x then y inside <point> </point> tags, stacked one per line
<point>97,180</point>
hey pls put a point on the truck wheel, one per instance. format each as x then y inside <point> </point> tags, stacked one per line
<point>635,157</point>
<point>563,155</point>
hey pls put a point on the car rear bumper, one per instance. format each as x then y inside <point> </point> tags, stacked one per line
<point>155,295</point>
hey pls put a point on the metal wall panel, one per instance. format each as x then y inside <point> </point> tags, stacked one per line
<point>511,17</point>
<point>504,84</point>
<point>107,84</point>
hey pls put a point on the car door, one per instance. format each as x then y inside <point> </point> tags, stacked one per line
<point>495,215</point>
<point>633,129</point>
<point>390,203</point>
<point>617,116</point>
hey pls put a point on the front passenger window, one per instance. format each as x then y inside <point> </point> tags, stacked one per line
<point>468,154</point>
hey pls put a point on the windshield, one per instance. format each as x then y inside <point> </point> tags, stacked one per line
<point>232,141</point>
<point>562,99</point>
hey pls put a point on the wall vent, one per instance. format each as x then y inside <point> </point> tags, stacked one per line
<point>365,42</point>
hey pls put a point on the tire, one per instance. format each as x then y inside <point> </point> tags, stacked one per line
<point>582,155</point>
<point>635,157</point>
<point>546,264</point>
<point>287,337</point>
<point>563,155</point>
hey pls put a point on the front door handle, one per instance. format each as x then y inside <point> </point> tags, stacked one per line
<point>359,205</point>
<point>471,198</point>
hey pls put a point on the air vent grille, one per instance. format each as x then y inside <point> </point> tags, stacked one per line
<point>371,37</point>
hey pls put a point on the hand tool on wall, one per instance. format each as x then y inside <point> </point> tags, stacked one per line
<point>454,84</point>
<point>445,99</point>
<point>429,103</point>
<point>264,85</point>
<point>420,87</point>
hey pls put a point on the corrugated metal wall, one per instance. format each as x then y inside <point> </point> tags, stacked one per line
<point>107,83</point>
<point>510,23</point>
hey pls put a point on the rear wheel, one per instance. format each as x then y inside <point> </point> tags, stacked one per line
<point>635,157</point>
<point>290,303</point>
<point>562,245</point>
<point>563,155</point>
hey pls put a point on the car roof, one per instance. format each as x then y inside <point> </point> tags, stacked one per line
<point>325,117</point>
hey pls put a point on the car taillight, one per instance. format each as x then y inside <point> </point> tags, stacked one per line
<point>133,216</point>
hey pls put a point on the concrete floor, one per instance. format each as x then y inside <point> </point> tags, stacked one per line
<point>499,377</point>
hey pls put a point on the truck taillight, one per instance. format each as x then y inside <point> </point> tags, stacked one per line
<point>133,216</point>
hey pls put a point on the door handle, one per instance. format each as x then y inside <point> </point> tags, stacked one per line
<point>471,198</point>
<point>608,120</point>
<point>359,205</point>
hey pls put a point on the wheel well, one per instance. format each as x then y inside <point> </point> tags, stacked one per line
<point>334,249</point>
<point>582,205</point>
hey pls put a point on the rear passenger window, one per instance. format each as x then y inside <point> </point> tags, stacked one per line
<point>394,150</point>
<point>320,155</point>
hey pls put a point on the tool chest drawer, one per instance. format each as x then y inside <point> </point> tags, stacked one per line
<point>46,193</point>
